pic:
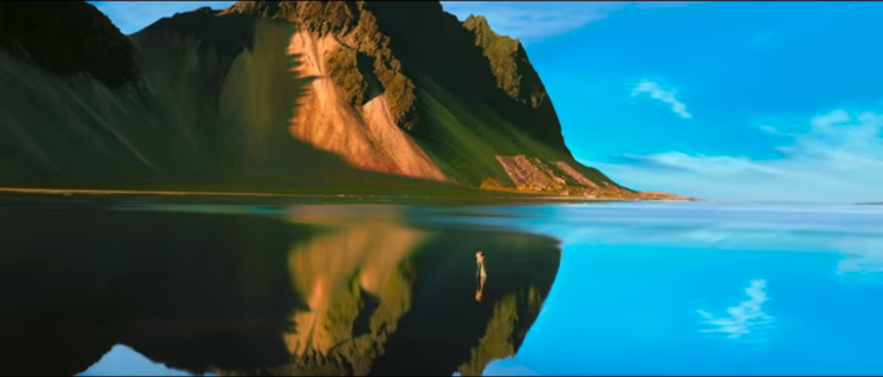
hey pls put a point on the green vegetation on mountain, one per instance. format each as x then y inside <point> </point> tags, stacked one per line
<point>209,110</point>
<point>509,62</point>
<point>207,100</point>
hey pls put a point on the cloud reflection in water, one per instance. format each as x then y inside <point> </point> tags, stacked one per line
<point>745,321</point>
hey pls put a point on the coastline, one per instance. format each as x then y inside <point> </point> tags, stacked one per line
<point>185,193</point>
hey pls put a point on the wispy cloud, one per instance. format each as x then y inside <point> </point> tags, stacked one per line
<point>667,96</point>
<point>535,21</point>
<point>132,16</point>
<point>744,319</point>
<point>507,367</point>
<point>863,260</point>
<point>532,21</point>
<point>837,159</point>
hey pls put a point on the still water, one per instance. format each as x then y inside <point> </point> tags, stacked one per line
<point>139,286</point>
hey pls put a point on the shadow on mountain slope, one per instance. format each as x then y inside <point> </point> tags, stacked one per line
<point>209,109</point>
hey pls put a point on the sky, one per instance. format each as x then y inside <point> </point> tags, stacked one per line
<point>122,358</point>
<point>760,101</point>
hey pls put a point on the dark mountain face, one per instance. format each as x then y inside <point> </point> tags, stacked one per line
<point>478,65</point>
<point>67,38</point>
<point>419,38</point>
<point>417,55</point>
<point>279,96</point>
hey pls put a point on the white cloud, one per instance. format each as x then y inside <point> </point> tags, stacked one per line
<point>535,21</point>
<point>744,320</point>
<point>863,260</point>
<point>507,367</point>
<point>132,16</point>
<point>667,96</point>
<point>839,159</point>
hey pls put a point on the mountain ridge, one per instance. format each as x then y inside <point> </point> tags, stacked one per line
<point>390,96</point>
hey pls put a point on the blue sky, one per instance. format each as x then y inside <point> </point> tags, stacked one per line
<point>123,358</point>
<point>720,100</point>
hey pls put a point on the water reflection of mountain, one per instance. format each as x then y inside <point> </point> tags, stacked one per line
<point>246,294</point>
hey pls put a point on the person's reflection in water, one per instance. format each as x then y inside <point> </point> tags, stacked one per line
<point>241,295</point>
<point>480,276</point>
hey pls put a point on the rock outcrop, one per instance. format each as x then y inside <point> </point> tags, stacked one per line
<point>278,96</point>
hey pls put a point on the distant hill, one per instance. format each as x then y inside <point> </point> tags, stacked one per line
<point>279,96</point>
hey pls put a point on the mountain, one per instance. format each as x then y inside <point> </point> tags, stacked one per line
<point>284,96</point>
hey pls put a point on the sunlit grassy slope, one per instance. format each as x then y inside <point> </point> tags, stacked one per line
<point>468,137</point>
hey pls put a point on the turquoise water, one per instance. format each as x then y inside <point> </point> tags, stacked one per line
<point>625,288</point>
<point>710,289</point>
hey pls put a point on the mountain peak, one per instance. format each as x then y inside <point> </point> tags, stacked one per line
<point>67,38</point>
<point>265,8</point>
<point>206,10</point>
<point>508,59</point>
<point>474,22</point>
<point>316,16</point>
<point>280,96</point>
<point>480,25</point>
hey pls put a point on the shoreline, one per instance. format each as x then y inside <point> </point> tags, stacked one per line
<point>179,193</point>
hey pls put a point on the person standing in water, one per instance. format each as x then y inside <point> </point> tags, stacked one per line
<point>480,275</point>
<point>479,261</point>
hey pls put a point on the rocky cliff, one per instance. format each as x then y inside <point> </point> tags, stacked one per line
<point>279,96</point>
